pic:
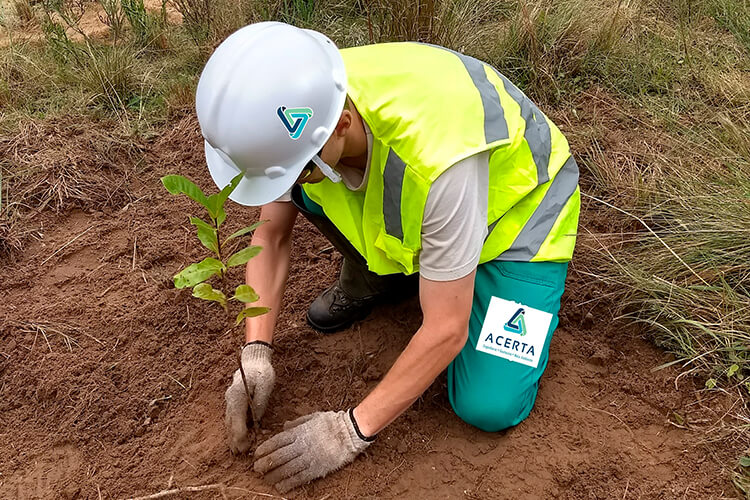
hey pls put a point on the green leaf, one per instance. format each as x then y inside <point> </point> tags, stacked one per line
<point>229,188</point>
<point>216,201</point>
<point>177,184</point>
<point>251,312</point>
<point>244,231</point>
<point>197,273</point>
<point>221,217</point>
<point>206,233</point>
<point>245,293</point>
<point>710,383</point>
<point>215,210</point>
<point>745,461</point>
<point>732,370</point>
<point>207,292</point>
<point>243,255</point>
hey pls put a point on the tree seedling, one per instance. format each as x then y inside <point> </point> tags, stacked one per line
<point>224,255</point>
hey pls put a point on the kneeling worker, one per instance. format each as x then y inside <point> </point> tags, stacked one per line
<point>418,163</point>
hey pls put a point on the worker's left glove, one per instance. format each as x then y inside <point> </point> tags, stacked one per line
<point>310,448</point>
<point>260,376</point>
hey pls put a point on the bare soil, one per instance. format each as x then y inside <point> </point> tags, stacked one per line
<point>112,382</point>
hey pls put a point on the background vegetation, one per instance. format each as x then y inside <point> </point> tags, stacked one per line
<point>654,96</point>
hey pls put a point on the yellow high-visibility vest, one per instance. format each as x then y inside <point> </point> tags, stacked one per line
<point>429,108</point>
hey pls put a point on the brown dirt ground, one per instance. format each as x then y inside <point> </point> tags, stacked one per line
<point>112,381</point>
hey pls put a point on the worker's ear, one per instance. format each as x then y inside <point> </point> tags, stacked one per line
<point>345,122</point>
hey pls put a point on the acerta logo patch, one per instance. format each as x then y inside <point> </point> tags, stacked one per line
<point>294,119</point>
<point>514,331</point>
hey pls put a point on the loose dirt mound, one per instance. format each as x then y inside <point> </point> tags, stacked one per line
<point>112,381</point>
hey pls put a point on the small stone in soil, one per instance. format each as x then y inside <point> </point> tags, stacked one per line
<point>601,357</point>
<point>372,373</point>
<point>301,391</point>
<point>71,493</point>
<point>485,448</point>
<point>154,411</point>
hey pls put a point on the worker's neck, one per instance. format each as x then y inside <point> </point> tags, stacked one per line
<point>355,142</point>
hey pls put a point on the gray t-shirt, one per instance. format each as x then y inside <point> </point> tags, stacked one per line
<point>455,217</point>
<point>455,220</point>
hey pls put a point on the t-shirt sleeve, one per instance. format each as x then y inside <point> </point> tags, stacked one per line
<point>454,226</point>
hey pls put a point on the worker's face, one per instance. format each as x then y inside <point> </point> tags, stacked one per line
<point>332,150</point>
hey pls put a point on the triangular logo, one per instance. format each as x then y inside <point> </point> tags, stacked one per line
<point>294,119</point>
<point>516,323</point>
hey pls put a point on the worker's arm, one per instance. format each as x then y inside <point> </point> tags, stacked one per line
<point>267,274</point>
<point>268,271</point>
<point>317,444</point>
<point>446,306</point>
<point>453,232</point>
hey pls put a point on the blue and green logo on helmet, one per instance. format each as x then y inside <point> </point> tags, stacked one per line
<point>294,119</point>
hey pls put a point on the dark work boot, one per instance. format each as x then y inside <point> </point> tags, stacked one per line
<point>357,290</point>
<point>348,300</point>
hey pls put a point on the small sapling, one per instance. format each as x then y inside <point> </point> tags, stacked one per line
<point>224,254</point>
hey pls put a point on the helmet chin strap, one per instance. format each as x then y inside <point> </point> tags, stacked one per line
<point>326,169</point>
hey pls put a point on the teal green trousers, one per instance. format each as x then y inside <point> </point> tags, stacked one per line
<point>494,391</point>
<point>493,382</point>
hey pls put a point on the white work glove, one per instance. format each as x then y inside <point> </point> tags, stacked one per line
<point>310,448</point>
<point>256,362</point>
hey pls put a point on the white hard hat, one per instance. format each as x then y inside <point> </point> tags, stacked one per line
<point>267,101</point>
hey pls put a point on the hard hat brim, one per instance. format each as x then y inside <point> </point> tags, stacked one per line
<point>252,190</point>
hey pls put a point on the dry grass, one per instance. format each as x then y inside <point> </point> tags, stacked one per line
<point>457,24</point>
<point>677,260</point>
<point>24,13</point>
<point>60,165</point>
<point>675,249</point>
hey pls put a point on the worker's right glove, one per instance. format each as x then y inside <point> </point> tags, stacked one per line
<point>309,448</point>
<point>260,376</point>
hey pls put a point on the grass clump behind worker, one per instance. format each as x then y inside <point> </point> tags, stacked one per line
<point>428,170</point>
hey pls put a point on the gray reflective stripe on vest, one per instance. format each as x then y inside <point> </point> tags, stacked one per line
<point>537,132</point>
<point>495,126</point>
<point>393,185</point>
<point>532,235</point>
<point>491,228</point>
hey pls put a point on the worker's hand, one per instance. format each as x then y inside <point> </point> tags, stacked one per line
<point>309,448</point>
<point>256,362</point>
